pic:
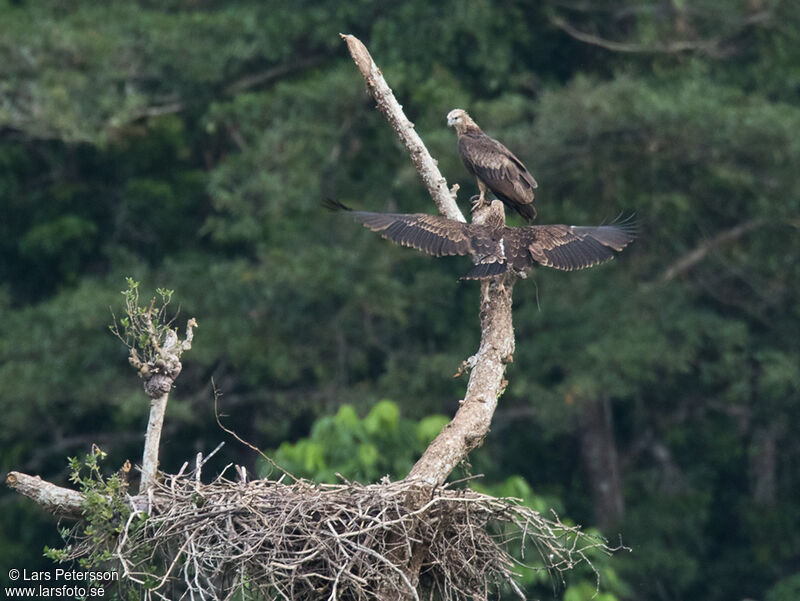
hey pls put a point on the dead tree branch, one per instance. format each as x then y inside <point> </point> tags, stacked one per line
<point>713,46</point>
<point>471,423</point>
<point>157,388</point>
<point>486,383</point>
<point>633,48</point>
<point>690,259</point>
<point>388,105</point>
<point>63,502</point>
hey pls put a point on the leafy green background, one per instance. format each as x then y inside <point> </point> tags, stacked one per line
<point>188,144</point>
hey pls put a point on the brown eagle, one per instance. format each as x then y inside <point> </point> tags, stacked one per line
<point>494,166</point>
<point>493,246</point>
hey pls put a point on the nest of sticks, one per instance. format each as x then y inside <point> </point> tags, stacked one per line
<point>305,542</point>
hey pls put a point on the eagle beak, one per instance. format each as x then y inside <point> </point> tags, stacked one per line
<point>451,121</point>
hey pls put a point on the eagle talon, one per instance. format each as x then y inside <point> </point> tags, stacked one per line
<point>477,201</point>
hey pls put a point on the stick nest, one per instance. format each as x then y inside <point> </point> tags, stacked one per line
<point>304,542</point>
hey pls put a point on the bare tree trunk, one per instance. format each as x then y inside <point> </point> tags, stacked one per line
<point>471,423</point>
<point>601,462</point>
<point>486,383</point>
<point>158,407</point>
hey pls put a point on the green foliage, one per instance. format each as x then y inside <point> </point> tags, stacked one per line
<point>105,513</point>
<point>381,444</point>
<point>785,590</point>
<point>144,328</point>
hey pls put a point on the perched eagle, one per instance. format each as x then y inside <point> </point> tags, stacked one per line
<point>493,246</point>
<point>494,166</point>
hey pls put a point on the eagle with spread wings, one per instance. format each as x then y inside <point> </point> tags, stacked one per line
<point>495,166</point>
<point>495,247</point>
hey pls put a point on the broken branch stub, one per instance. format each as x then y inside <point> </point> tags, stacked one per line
<point>62,502</point>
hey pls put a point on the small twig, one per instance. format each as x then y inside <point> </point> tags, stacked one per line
<point>198,466</point>
<point>212,453</point>
<point>411,588</point>
<point>217,394</point>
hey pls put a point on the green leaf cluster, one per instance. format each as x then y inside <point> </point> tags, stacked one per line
<point>381,444</point>
<point>105,512</point>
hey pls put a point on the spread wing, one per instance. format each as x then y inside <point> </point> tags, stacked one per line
<point>501,171</point>
<point>438,236</point>
<point>431,234</point>
<point>492,249</point>
<point>568,247</point>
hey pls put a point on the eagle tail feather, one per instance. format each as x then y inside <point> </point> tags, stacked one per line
<point>482,271</point>
<point>527,211</point>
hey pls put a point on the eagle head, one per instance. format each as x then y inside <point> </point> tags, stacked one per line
<point>459,119</point>
<point>455,117</point>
